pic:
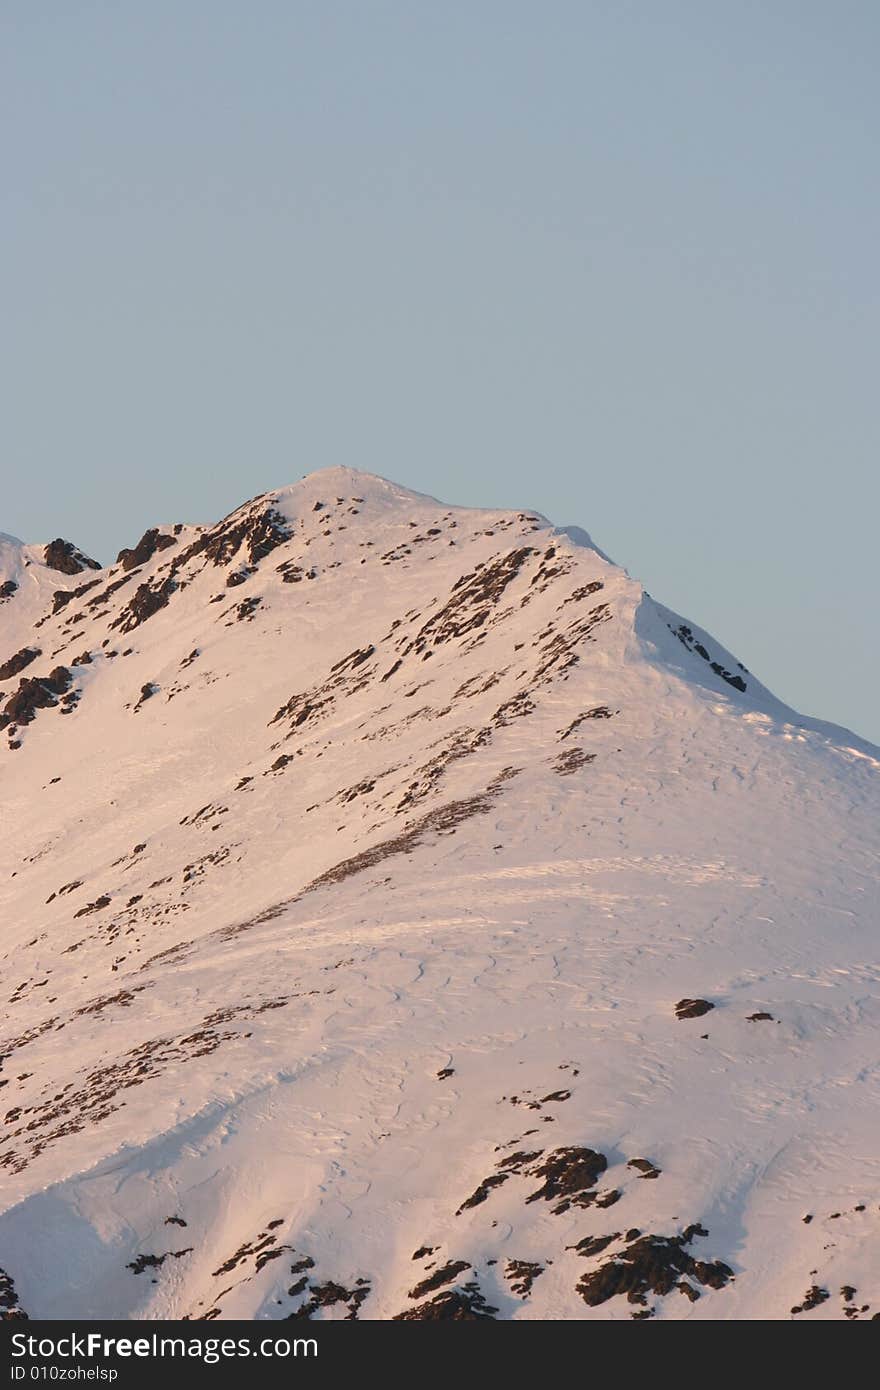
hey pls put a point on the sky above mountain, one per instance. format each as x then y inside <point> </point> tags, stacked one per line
<point>617,263</point>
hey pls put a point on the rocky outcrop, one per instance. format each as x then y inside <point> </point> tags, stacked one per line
<point>33,693</point>
<point>150,543</point>
<point>67,558</point>
<point>18,662</point>
<point>10,1308</point>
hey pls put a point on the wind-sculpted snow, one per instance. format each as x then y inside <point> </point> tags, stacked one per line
<point>406,917</point>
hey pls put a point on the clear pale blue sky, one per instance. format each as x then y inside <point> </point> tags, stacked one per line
<point>613,260</point>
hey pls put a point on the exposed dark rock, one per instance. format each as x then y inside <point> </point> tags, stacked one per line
<point>572,760</point>
<point>302,707</point>
<point>7,589</point>
<point>354,659</point>
<point>522,1274</point>
<point>459,745</point>
<point>67,888</point>
<point>568,1175</point>
<point>104,595</point>
<point>238,577</point>
<point>97,906</point>
<point>479,1196</point>
<point>444,1275</point>
<point>599,712</point>
<point>441,820</point>
<point>266,1256</point>
<point>645,1167</point>
<point>62,597</point>
<point>124,997</point>
<point>35,693</point>
<point>736,681</point>
<point>450,1306</point>
<point>142,1262</point>
<point>516,1162</point>
<point>254,1248</point>
<point>594,1245</point>
<point>330,1293</point>
<point>18,662</point>
<point>562,650</point>
<point>258,531</point>
<point>96,1095</point>
<point>518,707</point>
<point>812,1298</point>
<point>10,1309</point>
<point>692,1008</point>
<point>759,1018</point>
<point>246,609</point>
<point>686,636</point>
<point>652,1264</point>
<point>148,545</point>
<point>147,693</point>
<point>474,596</point>
<point>64,556</point>
<point>147,600</point>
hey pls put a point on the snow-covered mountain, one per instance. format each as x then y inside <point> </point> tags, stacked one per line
<point>404,915</point>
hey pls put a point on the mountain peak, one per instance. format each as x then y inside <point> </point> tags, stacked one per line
<point>403,879</point>
<point>337,485</point>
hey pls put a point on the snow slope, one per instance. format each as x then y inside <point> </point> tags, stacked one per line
<point>356,853</point>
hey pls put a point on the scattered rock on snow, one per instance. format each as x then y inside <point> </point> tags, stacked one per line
<point>692,1008</point>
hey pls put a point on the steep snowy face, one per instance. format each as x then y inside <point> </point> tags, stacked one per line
<point>406,916</point>
<point>29,575</point>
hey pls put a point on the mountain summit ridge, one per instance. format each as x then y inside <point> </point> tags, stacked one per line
<point>381,499</point>
<point>384,877</point>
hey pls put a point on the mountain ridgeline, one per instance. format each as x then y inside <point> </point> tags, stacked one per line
<point>405,916</point>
